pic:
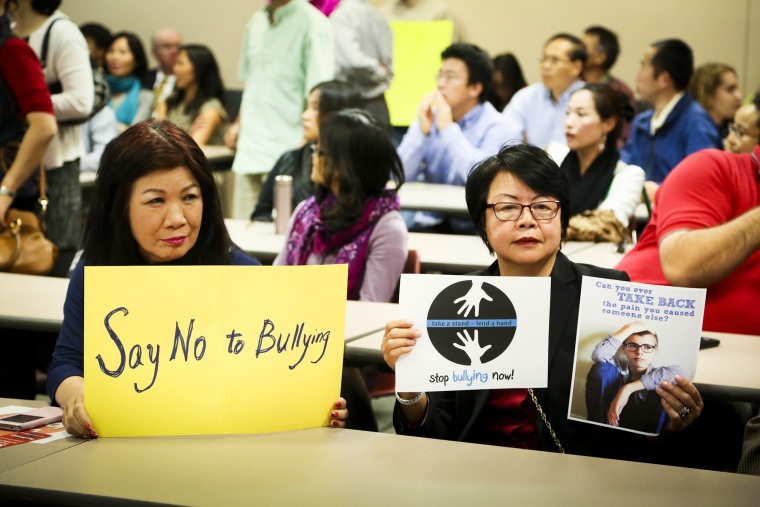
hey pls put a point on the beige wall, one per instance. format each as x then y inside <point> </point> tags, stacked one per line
<point>717,30</point>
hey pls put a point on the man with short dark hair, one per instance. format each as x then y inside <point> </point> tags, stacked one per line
<point>676,126</point>
<point>536,114</point>
<point>705,232</point>
<point>455,127</point>
<point>602,50</point>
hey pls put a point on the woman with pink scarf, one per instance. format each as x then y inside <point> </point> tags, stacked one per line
<point>353,218</point>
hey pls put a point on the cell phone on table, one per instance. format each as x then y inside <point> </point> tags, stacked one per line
<point>708,343</point>
<point>31,419</point>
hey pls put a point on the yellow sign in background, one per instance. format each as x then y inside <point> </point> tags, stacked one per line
<point>197,350</point>
<point>417,47</point>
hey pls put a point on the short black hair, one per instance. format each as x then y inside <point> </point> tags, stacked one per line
<point>335,95</point>
<point>577,52</point>
<point>756,103</point>
<point>98,33</point>
<point>45,7</point>
<point>607,42</point>
<point>529,164</point>
<point>676,58</point>
<point>137,49</point>
<point>479,66</point>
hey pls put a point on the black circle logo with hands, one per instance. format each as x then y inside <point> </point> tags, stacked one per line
<point>471,322</point>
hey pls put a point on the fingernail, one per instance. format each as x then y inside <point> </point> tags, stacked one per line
<point>93,434</point>
<point>417,333</point>
<point>87,426</point>
<point>334,424</point>
<point>333,414</point>
<point>337,404</point>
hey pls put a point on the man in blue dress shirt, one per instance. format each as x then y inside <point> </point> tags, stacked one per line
<point>455,128</point>
<point>536,114</point>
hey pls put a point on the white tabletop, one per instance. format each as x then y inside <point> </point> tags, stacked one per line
<point>604,255</point>
<point>342,467</point>
<point>32,302</point>
<point>445,253</point>
<point>220,157</point>
<point>448,199</point>
<point>17,455</point>
<point>36,303</point>
<point>727,372</point>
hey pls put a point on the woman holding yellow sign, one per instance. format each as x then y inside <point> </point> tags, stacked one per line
<point>154,202</point>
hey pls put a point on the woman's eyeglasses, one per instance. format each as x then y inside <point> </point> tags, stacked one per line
<point>512,211</point>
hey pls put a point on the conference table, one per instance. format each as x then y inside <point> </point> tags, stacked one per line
<point>454,254</point>
<point>325,466</point>
<point>726,372</point>
<point>36,303</point>
<point>220,158</point>
<point>445,199</point>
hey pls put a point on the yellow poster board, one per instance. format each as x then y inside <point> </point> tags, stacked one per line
<point>201,350</point>
<point>417,47</point>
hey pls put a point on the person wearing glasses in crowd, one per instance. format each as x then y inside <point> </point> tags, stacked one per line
<point>455,127</point>
<point>517,200</point>
<point>536,114</point>
<point>621,392</point>
<point>744,132</point>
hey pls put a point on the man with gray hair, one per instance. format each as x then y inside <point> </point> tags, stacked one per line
<point>165,45</point>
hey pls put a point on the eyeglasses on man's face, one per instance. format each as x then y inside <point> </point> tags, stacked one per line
<point>512,211</point>
<point>447,76</point>
<point>645,347</point>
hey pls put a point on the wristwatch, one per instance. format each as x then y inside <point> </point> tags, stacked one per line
<point>7,191</point>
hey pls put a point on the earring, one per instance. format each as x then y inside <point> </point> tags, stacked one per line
<point>603,142</point>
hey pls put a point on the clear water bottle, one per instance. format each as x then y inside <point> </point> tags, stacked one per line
<point>283,202</point>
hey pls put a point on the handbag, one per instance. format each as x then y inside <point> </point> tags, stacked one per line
<point>598,226</point>
<point>23,246</point>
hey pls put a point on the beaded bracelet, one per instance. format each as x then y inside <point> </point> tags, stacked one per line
<point>413,401</point>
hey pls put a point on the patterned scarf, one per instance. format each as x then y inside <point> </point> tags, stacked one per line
<point>310,236</point>
<point>130,85</point>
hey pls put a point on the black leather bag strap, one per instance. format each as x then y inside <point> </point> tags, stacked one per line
<point>45,42</point>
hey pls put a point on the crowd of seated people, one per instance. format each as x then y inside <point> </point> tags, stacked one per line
<point>321,117</point>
